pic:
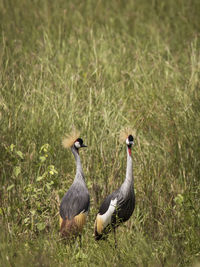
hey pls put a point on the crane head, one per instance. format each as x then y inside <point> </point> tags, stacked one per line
<point>79,143</point>
<point>73,140</point>
<point>130,142</point>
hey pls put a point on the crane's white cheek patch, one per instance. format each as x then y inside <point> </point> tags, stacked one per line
<point>77,144</point>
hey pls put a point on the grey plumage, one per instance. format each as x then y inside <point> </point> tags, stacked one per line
<point>76,201</point>
<point>125,206</point>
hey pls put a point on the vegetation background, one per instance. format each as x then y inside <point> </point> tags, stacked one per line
<point>101,66</point>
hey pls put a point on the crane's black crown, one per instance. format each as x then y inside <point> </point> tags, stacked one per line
<point>130,141</point>
<point>130,138</point>
<point>80,143</point>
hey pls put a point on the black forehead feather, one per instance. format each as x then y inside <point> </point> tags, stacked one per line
<point>80,141</point>
<point>130,138</point>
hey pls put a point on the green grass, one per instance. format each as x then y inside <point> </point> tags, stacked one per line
<point>100,66</point>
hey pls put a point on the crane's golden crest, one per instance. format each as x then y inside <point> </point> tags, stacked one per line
<point>124,133</point>
<point>69,139</point>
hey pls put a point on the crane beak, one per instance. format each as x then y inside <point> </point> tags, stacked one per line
<point>83,145</point>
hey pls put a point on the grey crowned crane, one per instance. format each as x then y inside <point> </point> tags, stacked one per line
<point>75,203</point>
<point>118,206</point>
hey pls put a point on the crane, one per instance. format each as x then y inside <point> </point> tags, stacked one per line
<point>119,205</point>
<point>75,204</point>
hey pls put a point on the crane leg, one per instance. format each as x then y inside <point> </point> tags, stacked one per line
<point>80,243</point>
<point>114,231</point>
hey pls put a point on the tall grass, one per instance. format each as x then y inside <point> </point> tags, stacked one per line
<point>100,66</point>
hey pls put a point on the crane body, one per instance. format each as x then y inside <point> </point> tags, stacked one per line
<point>119,205</point>
<point>75,204</point>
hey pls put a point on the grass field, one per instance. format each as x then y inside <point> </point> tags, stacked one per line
<point>100,66</point>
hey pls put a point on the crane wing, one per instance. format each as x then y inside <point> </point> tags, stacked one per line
<point>106,203</point>
<point>124,207</point>
<point>75,201</point>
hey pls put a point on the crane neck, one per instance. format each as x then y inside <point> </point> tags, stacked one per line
<point>127,185</point>
<point>79,169</point>
<point>129,168</point>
